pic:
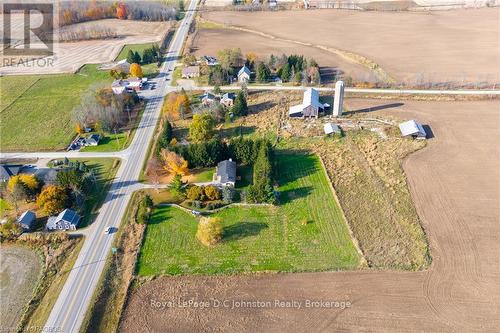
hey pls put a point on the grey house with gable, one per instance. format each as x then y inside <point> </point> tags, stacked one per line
<point>225,173</point>
<point>66,220</point>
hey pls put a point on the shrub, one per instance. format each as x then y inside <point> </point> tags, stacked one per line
<point>197,204</point>
<point>10,229</point>
<point>227,194</point>
<point>212,193</point>
<point>144,210</point>
<point>215,204</point>
<point>195,193</point>
<point>209,230</point>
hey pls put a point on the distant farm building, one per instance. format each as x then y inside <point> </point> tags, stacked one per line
<point>190,72</point>
<point>225,173</point>
<point>122,66</point>
<point>310,107</point>
<point>413,129</point>
<point>244,74</point>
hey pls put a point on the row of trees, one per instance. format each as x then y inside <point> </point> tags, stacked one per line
<point>261,190</point>
<point>101,108</point>
<point>149,55</point>
<point>71,12</point>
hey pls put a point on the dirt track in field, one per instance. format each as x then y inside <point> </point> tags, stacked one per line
<point>455,183</point>
<point>459,45</point>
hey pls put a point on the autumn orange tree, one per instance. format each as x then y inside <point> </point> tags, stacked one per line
<point>121,11</point>
<point>136,70</point>
<point>168,109</point>
<point>28,183</point>
<point>52,200</point>
<point>174,163</point>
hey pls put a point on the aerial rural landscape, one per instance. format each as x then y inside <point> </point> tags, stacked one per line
<point>250,166</point>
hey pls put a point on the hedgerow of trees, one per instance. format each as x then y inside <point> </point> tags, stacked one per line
<point>71,12</point>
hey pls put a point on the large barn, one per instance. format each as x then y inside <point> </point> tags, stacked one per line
<point>310,107</point>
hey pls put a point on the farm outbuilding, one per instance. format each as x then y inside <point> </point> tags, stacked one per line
<point>310,107</point>
<point>330,128</point>
<point>412,128</point>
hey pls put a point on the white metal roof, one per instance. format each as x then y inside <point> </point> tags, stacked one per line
<point>411,127</point>
<point>311,97</point>
<point>296,109</point>
<point>330,128</point>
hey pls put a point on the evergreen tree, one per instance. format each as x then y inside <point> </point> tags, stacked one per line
<point>240,107</point>
<point>130,57</point>
<point>285,73</point>
<point>263,73</point>
<point>137,58</point>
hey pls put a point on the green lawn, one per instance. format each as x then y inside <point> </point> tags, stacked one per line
<point>110,142</point>
<point>36,110</point>
<point>105,170</point>
<point>149,70</point>
<point>4,206</point>
<point>202,175</point>
<point>258,238</point>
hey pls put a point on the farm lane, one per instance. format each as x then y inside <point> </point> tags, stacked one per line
<point>71,306</point>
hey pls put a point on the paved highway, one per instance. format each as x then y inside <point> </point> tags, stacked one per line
<point>70,308</point>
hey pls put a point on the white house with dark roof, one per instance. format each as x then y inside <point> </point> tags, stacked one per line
<point>310,107</point>
<point>27,220</point>
<point>244,74</point>
<point>207,98</point>
<point>225,173</point>
<point>412,128</point>
<point>66,220</point>
<point>228,99</point>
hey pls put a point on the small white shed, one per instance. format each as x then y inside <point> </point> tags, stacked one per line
<point>330,128</point>
<point>412,128</point>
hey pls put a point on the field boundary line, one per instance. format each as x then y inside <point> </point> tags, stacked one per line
<point>363,261</point>
<point>349,56</point>
<point>24,91</point>
<point>240,204</point>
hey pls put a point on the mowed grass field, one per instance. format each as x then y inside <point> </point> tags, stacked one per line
<point>265,238</point>
<point>36,110</point>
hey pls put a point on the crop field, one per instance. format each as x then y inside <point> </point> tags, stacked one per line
<point>20,272</point>
<point>306,232</point>
<point>413,57</point>
<point>457,206</point>
<point>72,55</point>
<point>37,116</point>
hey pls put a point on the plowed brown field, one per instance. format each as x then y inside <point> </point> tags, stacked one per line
<point>455,183</point>
<point>459,45</point>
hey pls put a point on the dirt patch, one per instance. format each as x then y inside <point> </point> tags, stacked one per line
<point>19,276</point>
<point>70,56</point>
<point>458,206</point>
<point>407,45</point>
